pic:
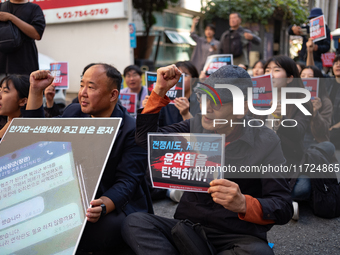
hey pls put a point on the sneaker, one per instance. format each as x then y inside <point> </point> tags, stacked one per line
<point>174,195</point>
<point>296,211</point>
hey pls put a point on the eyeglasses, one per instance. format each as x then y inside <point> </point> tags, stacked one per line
<point>215,105</point>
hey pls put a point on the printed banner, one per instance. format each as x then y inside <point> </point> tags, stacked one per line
<point>262,91</point>
<point>317,28</point>
<point>59,70</point>
<point>129,101</point>
<point>175,92</point>
<point>133,38</point>
<point>214,62</point>
<point>48,180</point>
<point>61,11</point>
<point>312,85</point>
<point>185,161</point>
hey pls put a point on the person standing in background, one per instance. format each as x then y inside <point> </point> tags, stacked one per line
<point>319,47</point>
<point>30,20</point>
<point>205,46</point>
<point>236,40</point>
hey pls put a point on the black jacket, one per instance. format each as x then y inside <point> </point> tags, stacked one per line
<point>256,146</point>
<point>123,178</point>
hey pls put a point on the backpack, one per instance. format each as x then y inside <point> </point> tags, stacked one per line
<point>325,197</point>
<point>10,35</point>
<point>232,44</point>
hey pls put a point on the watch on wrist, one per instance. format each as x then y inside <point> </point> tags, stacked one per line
<point>103,206</point>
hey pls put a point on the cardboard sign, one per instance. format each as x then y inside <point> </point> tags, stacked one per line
<point>59,70</point>
<point>48,179</point>
<point>327,59</point>
<point>129,101</point>
<point>317,28</point>
<point>185,161</point>
<point>312,85</point>
<point>175,92</point>
<point>214,62</point>
<point>262,91</point>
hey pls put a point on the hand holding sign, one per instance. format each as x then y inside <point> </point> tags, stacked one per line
<point>310,45</point>
<point>167,77</point>
<point>145,101</point>
<point>297,30</point>
<point>182,104</point>
<point>228,194</point>
<point>317,104</point>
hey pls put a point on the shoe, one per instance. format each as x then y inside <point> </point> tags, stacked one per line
<point>296,211</point>
<point>174,195</point>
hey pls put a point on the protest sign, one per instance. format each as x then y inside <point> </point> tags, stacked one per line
<point>312,85</point>
<point>214,62</point>
<point>262,91</point>
<point>327,59</point>
<point>129,101</point>
<point>317,28</point>
<point>59,70</point>
<point>185,161</point>
<point>48,179</point>
<point>175,92</point>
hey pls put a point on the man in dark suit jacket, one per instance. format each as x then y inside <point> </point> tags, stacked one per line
<point>122,188</point>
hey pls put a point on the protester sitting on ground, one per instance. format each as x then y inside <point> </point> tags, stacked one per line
<point>318,131</point>
<point>122,189</point>
<point>258,68</point>
<point>322,110</point>
<point>317,134</point>
<point>51,109</point>
<point>133,79</point>
<point>285,74</point>
<point>13,95</point>
<point>174,113</point>
<point>76,100</point>
<point>235,213</point>
<point>205,46</point>
<point>333,89</point>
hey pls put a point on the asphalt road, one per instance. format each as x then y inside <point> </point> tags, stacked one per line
<point>309,235</point>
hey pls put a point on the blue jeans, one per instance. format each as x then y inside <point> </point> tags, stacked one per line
<point>302,189</point>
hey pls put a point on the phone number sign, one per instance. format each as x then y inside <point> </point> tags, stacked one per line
<point>62,11</point>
